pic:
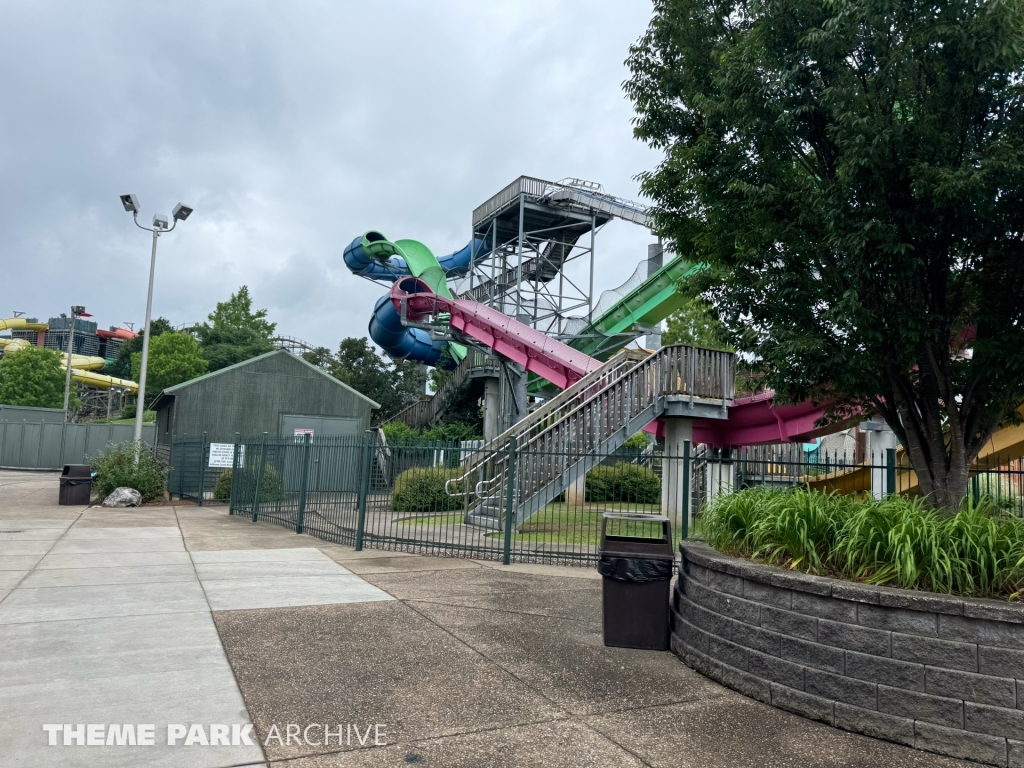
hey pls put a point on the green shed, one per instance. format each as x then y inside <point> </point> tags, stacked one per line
<point>278,393</point>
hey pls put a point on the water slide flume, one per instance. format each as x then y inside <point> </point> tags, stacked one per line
<point>83,367</point>
<point>375,257</point>
<point>752,421</point>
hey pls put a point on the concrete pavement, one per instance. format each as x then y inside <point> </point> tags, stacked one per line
<point>185,615</point>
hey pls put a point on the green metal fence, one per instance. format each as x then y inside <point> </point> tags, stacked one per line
<point>461,500</point>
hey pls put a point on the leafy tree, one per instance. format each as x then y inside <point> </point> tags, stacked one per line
<point>122,365</point>
<point>235,332</point>
<point>321,357</point>
<point>33,376</point>
<point>853,173</point>
<point>694,324</point>
<point>173,358</point>
<point>393,384</point>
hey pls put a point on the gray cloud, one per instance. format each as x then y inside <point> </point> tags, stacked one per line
<point>291,128</point>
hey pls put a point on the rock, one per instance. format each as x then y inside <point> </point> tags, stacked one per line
<point>123,497</point>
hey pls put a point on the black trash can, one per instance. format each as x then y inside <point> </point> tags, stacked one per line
<point>637,570</point>
<point>76,485</point>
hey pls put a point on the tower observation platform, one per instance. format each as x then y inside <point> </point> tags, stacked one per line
<point>537,229</point>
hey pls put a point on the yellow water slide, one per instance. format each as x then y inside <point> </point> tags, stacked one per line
<point>1004,446</point>
<point>83,367</point>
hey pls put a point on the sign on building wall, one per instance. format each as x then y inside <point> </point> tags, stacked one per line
<point>223,455</point>
<point>300,435</point>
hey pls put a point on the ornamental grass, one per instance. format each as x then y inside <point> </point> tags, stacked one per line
<point>896,541</point>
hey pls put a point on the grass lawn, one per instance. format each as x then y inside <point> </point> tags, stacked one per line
<point>559,523</point>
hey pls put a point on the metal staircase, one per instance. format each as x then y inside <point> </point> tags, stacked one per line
<point>527,466</point>
<point>542,268</point>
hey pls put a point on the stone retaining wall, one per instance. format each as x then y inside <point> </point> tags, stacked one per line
<point>934,672</point>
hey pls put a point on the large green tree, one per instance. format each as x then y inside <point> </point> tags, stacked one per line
<point>34,377</point>
<point>393,384</point>
<point>853,173</point>
<point>173,359</point>
<point>122,365</point>
<point>235,332</point>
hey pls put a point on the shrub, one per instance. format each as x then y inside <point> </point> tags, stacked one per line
<point>272,488</point>
<point>637,442</point>
<point>421,489</point>
<point>400,433</point>
<point>623,482</point>
<point>129,465</point>
<point>148,417</point>
<point>896,540</point>
<point>222,488</point>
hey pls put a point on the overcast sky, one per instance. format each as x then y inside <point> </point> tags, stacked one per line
<point>291,128</point>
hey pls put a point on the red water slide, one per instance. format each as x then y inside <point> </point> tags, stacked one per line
<point>752,420</point>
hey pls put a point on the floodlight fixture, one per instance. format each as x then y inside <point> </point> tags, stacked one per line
<point>161,225</point>
<point>77,310</point>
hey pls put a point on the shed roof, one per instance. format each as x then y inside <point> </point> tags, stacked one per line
<point>178,387</point>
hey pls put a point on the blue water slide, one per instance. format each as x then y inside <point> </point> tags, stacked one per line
<point>386,329</point>
<point>399,342</point>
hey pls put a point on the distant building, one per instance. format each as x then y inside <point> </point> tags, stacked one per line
<point>89,340</point>
<point>277,393</point>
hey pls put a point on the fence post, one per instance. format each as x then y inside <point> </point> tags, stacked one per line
<point>975,489</point>
<point>180,466</point>
<point>202,470</point>
<point>259,478</point>
<point>234,476</point>
<point>364,490</point>
<point>890,470</point>
<point>300,517</point>
<point>685,532</point>
<point>510,500</point>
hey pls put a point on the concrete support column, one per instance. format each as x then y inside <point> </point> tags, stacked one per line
<point>576,494</point>
<point>721,475</point>
<point>518,412</point>
<point>674,502</point>
<point>881,439</point>
<point>492,406</point>
<point>655,261</point>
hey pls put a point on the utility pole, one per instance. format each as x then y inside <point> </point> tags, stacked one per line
<point>76,312</point>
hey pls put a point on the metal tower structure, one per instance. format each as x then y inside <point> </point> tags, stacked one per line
<point>536,229</point>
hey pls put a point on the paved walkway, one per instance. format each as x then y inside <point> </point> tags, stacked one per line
<point>184,615</point>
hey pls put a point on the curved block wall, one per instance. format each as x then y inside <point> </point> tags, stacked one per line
<point>939,673</point>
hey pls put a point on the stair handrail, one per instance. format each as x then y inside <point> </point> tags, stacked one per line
<point>634,386</point>
<point>427,407</point>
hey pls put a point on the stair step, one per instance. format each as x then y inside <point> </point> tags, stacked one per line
<point>481,520</point>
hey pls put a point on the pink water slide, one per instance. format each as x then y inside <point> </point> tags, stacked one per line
<point>752,420</point>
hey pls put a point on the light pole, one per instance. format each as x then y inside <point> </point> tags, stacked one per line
<point>180,213</point>
<point>76,312</point>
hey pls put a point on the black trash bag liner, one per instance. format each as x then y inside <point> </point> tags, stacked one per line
<point>638,569</point>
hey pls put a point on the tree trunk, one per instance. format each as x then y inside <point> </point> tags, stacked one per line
<point>941,463</point>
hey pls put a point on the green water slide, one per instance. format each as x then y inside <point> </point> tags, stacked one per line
<point>647,304</point>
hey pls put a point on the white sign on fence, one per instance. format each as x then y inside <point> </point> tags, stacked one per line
<point>223,455</point>
<point>300,435</point>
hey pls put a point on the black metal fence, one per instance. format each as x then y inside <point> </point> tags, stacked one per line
<point>462,500</point>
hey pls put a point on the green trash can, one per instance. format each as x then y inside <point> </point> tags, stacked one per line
<point>637,570</point>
